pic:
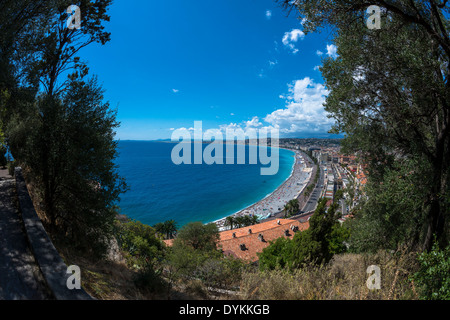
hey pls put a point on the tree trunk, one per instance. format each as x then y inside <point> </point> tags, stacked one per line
<point>435,218</point>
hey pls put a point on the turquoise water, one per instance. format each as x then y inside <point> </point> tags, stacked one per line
<point>161,190</point>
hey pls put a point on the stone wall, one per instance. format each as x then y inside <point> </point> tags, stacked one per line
<point>47,257</point>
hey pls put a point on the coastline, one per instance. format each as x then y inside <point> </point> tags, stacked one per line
<point>270,204</point>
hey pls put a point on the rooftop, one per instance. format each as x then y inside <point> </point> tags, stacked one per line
<point>246,245</point>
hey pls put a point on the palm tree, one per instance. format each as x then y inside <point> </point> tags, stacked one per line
<point>287,209</point>
<point>254,219</point>
<point>170,228</point>
<point>247,220</point>
<point>159,228</point>
<point>291,208</point>
<point>239,221</point>
<point>229,221</point>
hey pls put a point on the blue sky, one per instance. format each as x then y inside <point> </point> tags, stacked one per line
<point>233,63</point>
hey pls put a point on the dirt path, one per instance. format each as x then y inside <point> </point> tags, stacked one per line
<point>20,278</point>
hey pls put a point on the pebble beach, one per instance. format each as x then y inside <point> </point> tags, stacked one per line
<point>275,202</point>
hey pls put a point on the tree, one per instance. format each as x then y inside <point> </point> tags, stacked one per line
<point>254,219</point>
<point>339,194</point>
<point>396,212</point>
<point>433,277</point>
<point>229,221</point>
<point>167,228</point>
<point>199,236</point>
<point>71,160</point>
<point>193,250</point>
<point>139,243</point>
<point>58,127</point>
<point>315,245</point>
<point>276,255</point>
<point>291,208</point>
<point>389,91</point>
<point>143,251</point>
<point>239,221</point>
<point>170,228</point>
<point>3,160</point>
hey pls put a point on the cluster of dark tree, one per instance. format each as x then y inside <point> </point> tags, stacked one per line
<point>54,120</point>
<point>241,221</point>
<point>167,229</point>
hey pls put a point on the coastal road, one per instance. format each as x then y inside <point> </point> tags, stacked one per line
<point>20,278</point>
<point>315,194</point>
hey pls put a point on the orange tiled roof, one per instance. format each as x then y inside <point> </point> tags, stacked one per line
<point>257,228</point>
<point>269,230</point>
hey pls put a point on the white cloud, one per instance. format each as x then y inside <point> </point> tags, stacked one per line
<point>291,37</point>
<point>319,53</point>
<point>254,123</point>
<point>232,114</point>
<point>316,68</point>
<point>304,111</point>
<point>272,63</point>
<point>268,14</point>
<point>175,90</point>
<point>332,51</point>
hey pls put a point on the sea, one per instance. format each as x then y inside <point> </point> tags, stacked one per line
<point>160,190</point>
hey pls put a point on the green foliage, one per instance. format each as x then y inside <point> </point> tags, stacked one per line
<point>194,255</point>
<point>150,280</point>
<point>316,245</point>
<point>276,255</point>
<point>209,266</point>
<point>70,157</point>
<point>241,221</point>
<point>338,238</point>
<point>389,95</point>
<point>167,228</point>
<point>59,129</point>
<point>199,236</point>
<point>394,211</point>
<point>142,248</point>
<point>143,251</point>
<point>433,277</point>
<point>291,208</point>
<point>338,195</point>
<point>220,272</point>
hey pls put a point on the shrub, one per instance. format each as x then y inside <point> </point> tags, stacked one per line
<point>139,243</point>
<point>433,277</point>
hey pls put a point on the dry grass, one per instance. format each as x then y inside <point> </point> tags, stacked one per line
<point>344,278</point>
<point>104,279</point>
